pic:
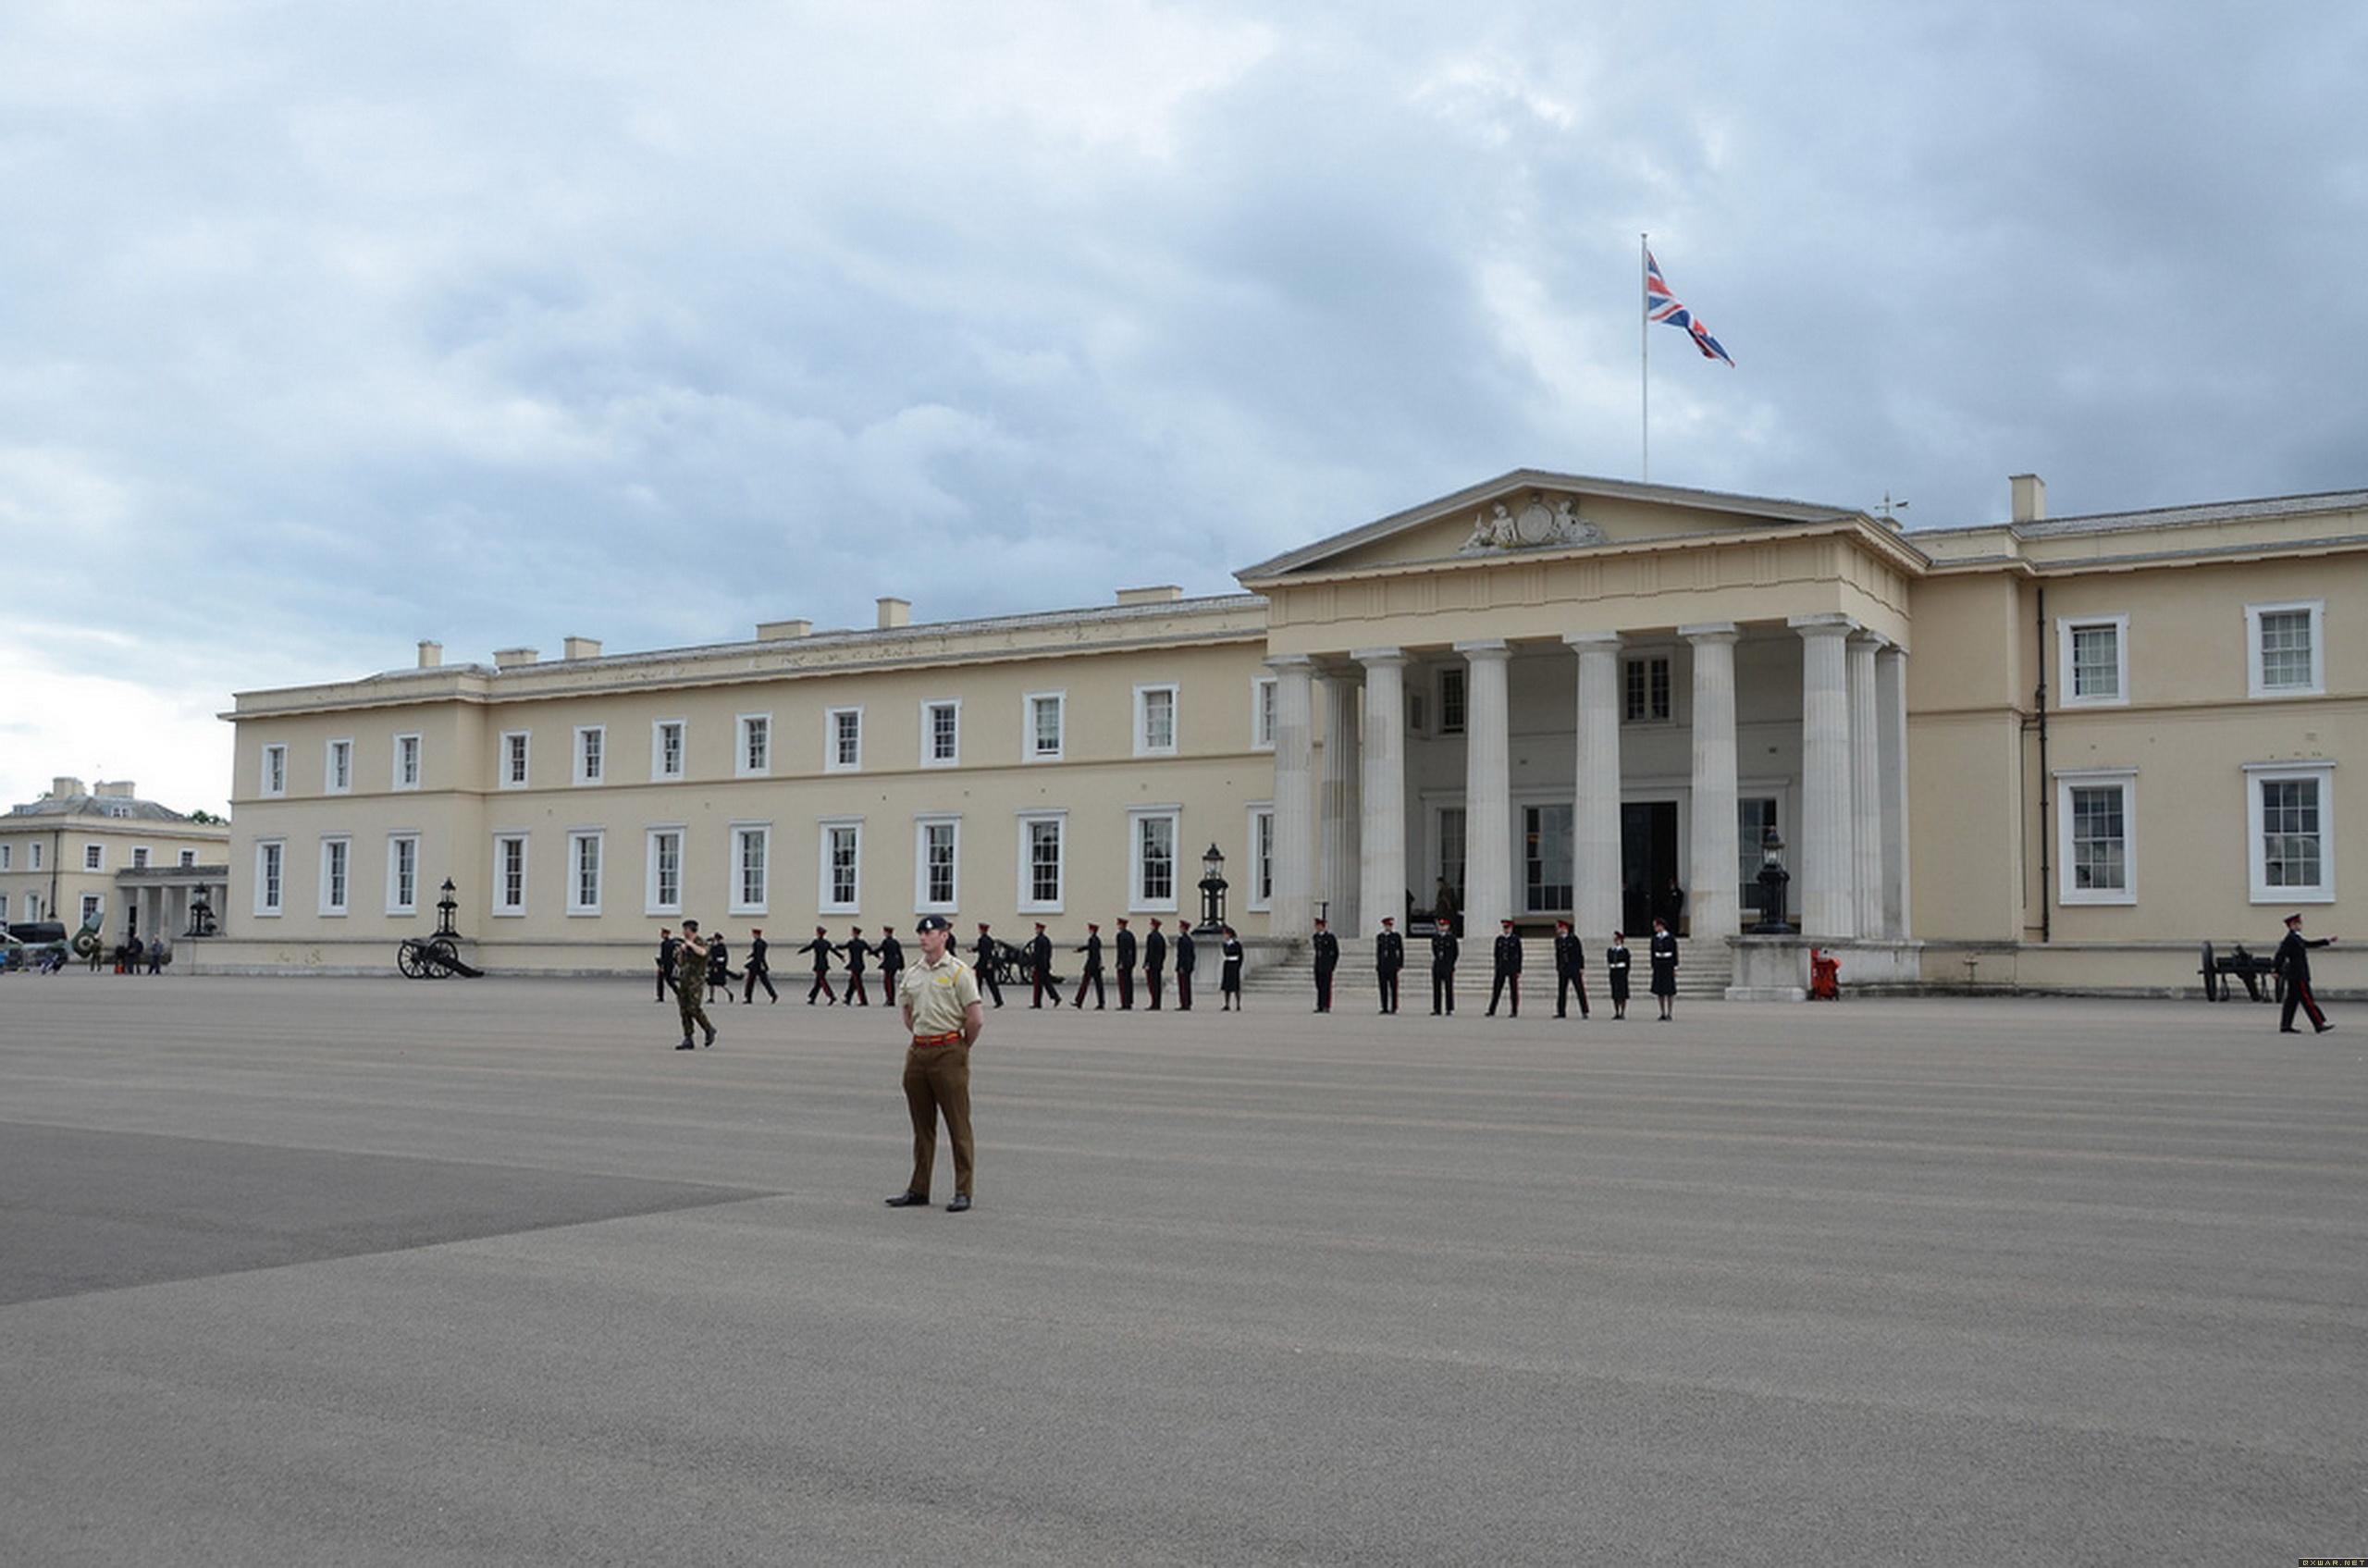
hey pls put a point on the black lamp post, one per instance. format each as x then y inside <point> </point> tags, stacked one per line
<point>444,910</point>
<point>200,916</point>
<point>1213,886</point>
<point>1772,879</point>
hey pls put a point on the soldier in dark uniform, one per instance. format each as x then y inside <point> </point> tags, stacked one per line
<point>857,950</point>
<point>1664,957</point>
<point>1507,970</point>
<point>1039,969</point>
<point>1126,967</point>
<point>1230,976</point>
<point>1615,967</point>
<point>690,984</point>
<point>891,963</point>
<point>1570,969</point>
<point>758,972</point>
<point>1445,950</point>
<point>2294,962</point>
<point>1388,957</point>
<point>1327,959</point>
<point>1184,962</point>
<point>984,966</point>
<point>1092,973</point>
<point>666,945</point>
<point>1154,961</point>
<point>823,953</point>
<point>719,968</point>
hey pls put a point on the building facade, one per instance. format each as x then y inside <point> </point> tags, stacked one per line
<point>103,851</point>
<point>2038,753</point>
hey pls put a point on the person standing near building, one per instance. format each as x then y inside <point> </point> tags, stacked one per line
<point>160,953</point>
<point>1664,959</point>
<point>984,966</point>
<point>1507,970</point>
<point>1388,957</point>
<point>1327,959</point>
<point>824,951</point>
<point>1126,967</point>
<point>1444,949</point>
<point>129,962</point>
<point>690,984</point>
<point>666,945</point>
<point>1229,977</point>
<point>855,950</point>
<point>1039,970</point>
<point>2293,961</point>
<point>757,970</point>
<point>1155,962</point>
<point>891,954</point>
<point>1091,976</point>
<point>937,999</point>
<point>1185,959</point>
<point>719,967</point>
<point>1615,969</point>
<point>1570,969</point>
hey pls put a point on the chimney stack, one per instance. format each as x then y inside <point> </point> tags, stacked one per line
<point>1165,593</point>
<point>120,788</point>
<point>895,612</point>
<point>783,631</point>
<point>431,654</point>
<point>2030,497</point>
<point>511,658</point>
<point>64,786</point>
<point>582,648</point>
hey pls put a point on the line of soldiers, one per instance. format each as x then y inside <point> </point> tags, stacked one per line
<point>1570,969</point>
<point>996,961</point>
<point>718,974</point>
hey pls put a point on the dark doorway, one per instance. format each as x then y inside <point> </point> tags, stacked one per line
<point>1648,864</point>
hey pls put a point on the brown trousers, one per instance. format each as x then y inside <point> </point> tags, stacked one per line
<point>937,1081</point>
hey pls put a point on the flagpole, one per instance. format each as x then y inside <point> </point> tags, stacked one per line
<point>1643,361</point>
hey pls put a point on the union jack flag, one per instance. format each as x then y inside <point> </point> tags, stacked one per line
<point>1662,306</point>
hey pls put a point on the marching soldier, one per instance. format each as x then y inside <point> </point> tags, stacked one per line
<point>2293,961</point>
<point>939,1001</point>
<point>857,950</point>
<point>1508,970</point>
<point>719,968</point>
<point>823,953</point>
<point>985,965</point>
<point>1230,975</point>
<point>1388,957</point>
<point>1154,961</point>
<point>666,945</point>
<point>1570,969</point>
<point>1184,962</point>
<point>891,954</point>
<point>1126,967</point>
<point>1327,959</point>
<point>1615,969</point>
<point>759,971</point>
<point>690,984</point>
<point>1092,975</point>
<point>1039,969</point>
<point>1445,950</point>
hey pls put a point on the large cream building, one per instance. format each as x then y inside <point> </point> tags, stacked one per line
<point>2034,753</point>
<point>102,853</point>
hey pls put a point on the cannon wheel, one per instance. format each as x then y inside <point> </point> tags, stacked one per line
<point>443,958</point>
<point>407,959</point>
<point>2211,976</point>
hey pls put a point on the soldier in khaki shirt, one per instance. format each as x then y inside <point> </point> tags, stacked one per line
<point>939,998</point>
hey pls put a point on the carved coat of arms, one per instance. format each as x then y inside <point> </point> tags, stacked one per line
<point>1536,523</point>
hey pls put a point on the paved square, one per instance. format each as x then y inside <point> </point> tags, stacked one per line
<point>405,1273</point>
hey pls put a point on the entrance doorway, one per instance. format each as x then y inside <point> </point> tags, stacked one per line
<point>1648,864</point>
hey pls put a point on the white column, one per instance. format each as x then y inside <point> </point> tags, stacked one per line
<point>1292,910</point>
<point>1487,784</point>
<point>1341,801</point>
<point>1891,724</point>
<point>1381,882</point>
<point>1711,884</point>
<point>1594,815</point>
<point>1866,786</point>
<point>1824,867</point>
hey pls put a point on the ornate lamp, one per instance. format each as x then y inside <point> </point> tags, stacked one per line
<point>1213,886</point>
<point>445,906</point>
<point>1772,879</point>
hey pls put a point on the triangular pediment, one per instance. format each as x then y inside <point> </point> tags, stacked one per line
<point>1531,511</point>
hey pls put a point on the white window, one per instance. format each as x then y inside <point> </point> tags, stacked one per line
<point>1262,713</point>
<point>407,761</point>
<point>36,854</point>
<point>2096,836</point>
<point>94,857</point>
<point>843,740</point>
<point>33,905</point>
<point>337,864</point>
<point>842,866</point>
<point>271,863</point>
<point>1451,699</point>
<point>1645,688</point>
<point>942,732</point>
<point>584,871</point>
<point>937,854</point>
<point>664,887</point>
<point>513,758</point>
<point>90,908</point>
<point>2093,655</point>
<point>1260,894</point>
<point>2282,643</point>
<point>754,756</point>
<point>139,858</point>
<point>3,911</point>
<point>7,855</point>
<point>2291,808</point>
<point>591,752</point>
<point>402,873</point>
<point>336,772</point>
<point>510,873</point>
<point>751,857</point>
<point>665,751</point>
<point>275,769</point>
<point>1043,865</point>
<point>1155,720</point>
<point>188,857</point>
<point>1047,721</point>
<point>1150,870</point>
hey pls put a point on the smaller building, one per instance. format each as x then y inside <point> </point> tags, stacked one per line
<point>137,866</point>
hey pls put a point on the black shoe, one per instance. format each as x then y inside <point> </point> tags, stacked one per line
<point>711,1037</point>
<point>685,1045</point>
<point>910,1200</point>
<point>961,1203</point>
<point>2321,1028</point>
<point>2288,1029</point>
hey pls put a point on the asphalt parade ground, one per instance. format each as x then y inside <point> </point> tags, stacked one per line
<point>364,1271</point>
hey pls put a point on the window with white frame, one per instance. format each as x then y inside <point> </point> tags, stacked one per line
<point>1451,690</point>
<point>336,771</point>
<point>8,856</point>
<point>514,744</point>
<point>2096,837</point>
<point>1155,720</point>
<point>1047,716</point>
<point>942,732</point>
<point>1644,690</point>
<point>2093,653</point>
<point>1261,712</point>
<point>753,759</point>
<point>337,867</point>
<point>35,847</point>
<point>139,858</point>
<point>1150,870</point>
<point>2291,808</point>
<point>271,866</point>
<point>3,910</point>
<point>1755,820</point>
<point>751,864</point>
<point>94,857</point>
<point>663,890</point>
<point>591,753</point>
<point>188,857</point>
<point>841,892</point>
<point>1260,892</point>
<point>584,871</point>
<point>91,905</point>
<point>402,873</point>
<point>665,751</point>
<point>2283,649</point>
<point>843,740</point>
<point>510,873</point>
<point>1043,864</point>
<point>406,761</point>
<point>937,853</point>
<point>275,769</point>
<point>33,905</point>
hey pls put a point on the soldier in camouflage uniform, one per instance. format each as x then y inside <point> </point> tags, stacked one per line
<point>690,984</point>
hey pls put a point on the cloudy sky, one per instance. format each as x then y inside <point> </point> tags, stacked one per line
<point>326,327</point>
